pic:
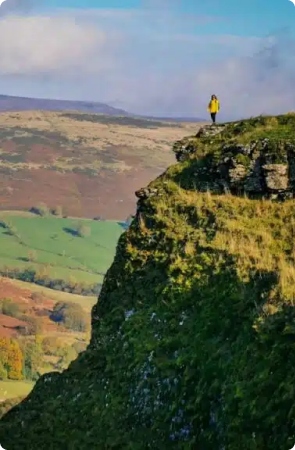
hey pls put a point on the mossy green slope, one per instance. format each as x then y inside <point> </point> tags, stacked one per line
<point>193,341</point>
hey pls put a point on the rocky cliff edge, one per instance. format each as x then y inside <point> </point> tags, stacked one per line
<point>193,335</point>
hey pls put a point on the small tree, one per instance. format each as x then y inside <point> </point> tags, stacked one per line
<point>3,372</point>
<point>11,229</point>
<point>11,358</point>
<point>38,297</point>
<point>15,361</point>
<point>42,273</point>
<point>9,308</point>
<point>32,255</point>
<point>57,211</point>
<point>41,209</point>
<point>68,354</point>
<point>83,230</point>
<point>34,325</point>
<point>51,345</point>
<point>71,315</point>
<point>32,359</point>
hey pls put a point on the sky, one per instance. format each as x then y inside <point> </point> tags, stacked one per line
<point>154,57</point>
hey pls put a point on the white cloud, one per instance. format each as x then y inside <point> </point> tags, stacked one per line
<point>38,45</point>
<point>32,45</point>
<point>112,56</point>
<point>69,41</point>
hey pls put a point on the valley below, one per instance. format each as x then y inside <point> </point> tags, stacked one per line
<point>90,164</point>
<point>67,183</point>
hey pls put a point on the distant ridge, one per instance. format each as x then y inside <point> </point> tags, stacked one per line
<point>15,103</point>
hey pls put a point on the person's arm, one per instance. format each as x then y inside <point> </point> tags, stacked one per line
<point>218,106</point>
<point>209,107</point>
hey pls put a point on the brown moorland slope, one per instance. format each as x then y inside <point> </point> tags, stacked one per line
<point>36,302</point>
<point>90,164</point>
<point>38,308</point>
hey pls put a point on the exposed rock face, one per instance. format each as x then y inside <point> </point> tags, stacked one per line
<point>193,335</point>
<point>146,193</point>
<point>210,130</point>
<point>249,169</point>
<point>276,177</point>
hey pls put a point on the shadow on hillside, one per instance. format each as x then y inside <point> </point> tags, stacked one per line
<point>195,175</point>
<point>71,231</point>
<point>221,354</point>
<point>122,120</point>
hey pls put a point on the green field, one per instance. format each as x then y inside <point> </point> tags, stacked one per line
<point>55,245</point>
<point>11,389</point>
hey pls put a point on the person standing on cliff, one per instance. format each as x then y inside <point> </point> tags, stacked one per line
<point>213,107</point>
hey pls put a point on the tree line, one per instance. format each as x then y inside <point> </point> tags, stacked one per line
<point>11,359</point>
<point>41,278</point>
<point>69,315</point>
<point>23,359</point>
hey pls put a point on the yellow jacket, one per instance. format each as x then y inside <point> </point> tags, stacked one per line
<point>213,106</point>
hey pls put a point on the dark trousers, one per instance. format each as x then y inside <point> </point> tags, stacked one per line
<point>213,117</point>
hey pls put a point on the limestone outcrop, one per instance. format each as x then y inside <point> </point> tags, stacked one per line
<point>259,168</point>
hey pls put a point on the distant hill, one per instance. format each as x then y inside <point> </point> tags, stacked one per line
<point>89,164</point>
<point>14,103</point>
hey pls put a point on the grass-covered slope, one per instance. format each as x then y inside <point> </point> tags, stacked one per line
<point>52,245</point>
<point>193,336</point>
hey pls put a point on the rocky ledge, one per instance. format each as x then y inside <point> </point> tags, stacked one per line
<point>262,167</point>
